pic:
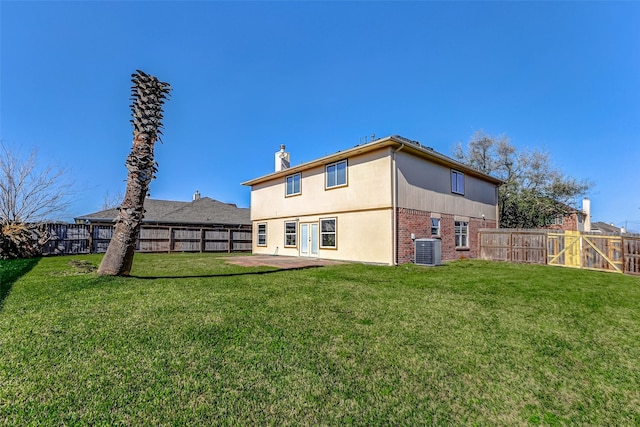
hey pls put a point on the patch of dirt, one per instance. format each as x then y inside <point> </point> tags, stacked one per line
<point>82,266</point>
<point>279,261</point>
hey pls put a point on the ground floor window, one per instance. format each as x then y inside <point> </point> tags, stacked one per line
<point>262,234</point>
<point>328,233</point>
<point>290,233</point>
<point>462,234</point>
<point>435,226</point>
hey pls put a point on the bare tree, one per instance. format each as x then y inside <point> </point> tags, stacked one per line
<point>148,95</point>
<point>111,201</point>
<point>30,192</point>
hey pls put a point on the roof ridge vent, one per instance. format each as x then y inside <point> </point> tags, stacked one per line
<point>414,142</point>
<point>410,141</point>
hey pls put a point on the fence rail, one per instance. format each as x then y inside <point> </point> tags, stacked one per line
<point>83,239</point>
<point>619,253</point>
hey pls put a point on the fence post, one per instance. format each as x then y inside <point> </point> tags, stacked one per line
<point>510,257</point>
<point>91,250</point>
<point>229,240</point>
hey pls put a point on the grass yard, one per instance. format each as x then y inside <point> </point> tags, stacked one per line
<point>192,340</point>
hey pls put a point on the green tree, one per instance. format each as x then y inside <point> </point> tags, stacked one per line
<point>534,192</point>
<point>148,95</point>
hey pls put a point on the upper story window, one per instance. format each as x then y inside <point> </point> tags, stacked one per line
<point>336,174</point>
<point>293,184</point>
<point>457,182</point>
<point>262,234</point>
<point>556,220</point>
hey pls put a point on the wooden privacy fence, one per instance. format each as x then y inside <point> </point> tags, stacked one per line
<point>617,253</point>
<point>84,239</point>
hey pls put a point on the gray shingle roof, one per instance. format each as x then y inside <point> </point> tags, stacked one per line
<point>604,227</point>
<point>204,211</point>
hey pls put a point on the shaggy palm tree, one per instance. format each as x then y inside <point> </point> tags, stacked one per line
<point>148,95</point>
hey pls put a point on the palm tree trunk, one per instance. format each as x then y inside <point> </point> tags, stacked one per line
<point>148,95</point>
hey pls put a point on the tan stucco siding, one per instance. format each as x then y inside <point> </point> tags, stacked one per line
<point>427,186</point>
<point>368,187</point>
<point>362,236</point>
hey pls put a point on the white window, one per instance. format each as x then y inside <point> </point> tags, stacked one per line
<point>293,184</point>
<point>328,233</point>
<point>435,226</point>
<point>554,220</point>
<point>457,182</point>
<point>336,174</point>
<point>290,234</point>
<point>262,234</point>
<point>462,234</point>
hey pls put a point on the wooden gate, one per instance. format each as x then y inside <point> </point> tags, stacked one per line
<point>631,249</point>
<point>620,254</point>
<point>588,251</point>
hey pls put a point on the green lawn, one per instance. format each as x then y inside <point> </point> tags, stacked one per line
<point>192,340</point>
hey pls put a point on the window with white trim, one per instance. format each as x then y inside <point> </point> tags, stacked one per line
<point>290,233</point>
<point>457,182</point>
<point>461,230</point>
<point>328,233</point>
<point>336,174</point>
<point>554,220</point>
<point>293,184</point>
<point>262,234</point>
<point>435,226</point>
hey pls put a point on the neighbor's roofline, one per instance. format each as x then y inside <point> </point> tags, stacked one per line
<point>394,140</point>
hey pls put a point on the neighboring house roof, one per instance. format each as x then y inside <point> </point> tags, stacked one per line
<point>603,227</point>
<point>395,141</point>
<point>204,211</point>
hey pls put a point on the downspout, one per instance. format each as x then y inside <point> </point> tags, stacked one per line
<point>394,198</point>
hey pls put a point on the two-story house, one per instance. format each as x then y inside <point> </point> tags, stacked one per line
<point>370,203</point>
<point>574,219</point>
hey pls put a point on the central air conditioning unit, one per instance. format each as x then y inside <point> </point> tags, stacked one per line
<point>428,252</point>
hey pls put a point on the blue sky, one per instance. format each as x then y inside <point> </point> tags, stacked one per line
<point>562,77</point>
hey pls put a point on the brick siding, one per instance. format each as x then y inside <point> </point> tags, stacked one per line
<point>419,223</point>
<point>569,223</point>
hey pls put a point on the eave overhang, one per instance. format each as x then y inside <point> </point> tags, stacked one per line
<point>394,141</point>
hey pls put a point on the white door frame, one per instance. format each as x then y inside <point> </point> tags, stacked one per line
<point>309,239</point>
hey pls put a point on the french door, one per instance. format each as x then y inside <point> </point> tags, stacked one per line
<point>309,239</point>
